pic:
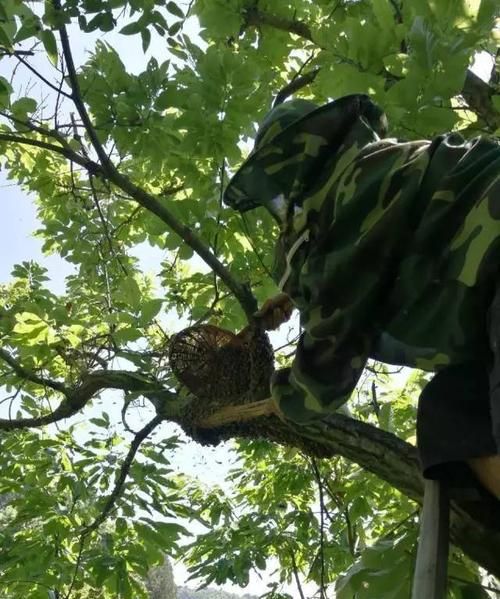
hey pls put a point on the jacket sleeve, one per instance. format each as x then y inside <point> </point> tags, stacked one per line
<point>359,226</point>
<point>321,378</point>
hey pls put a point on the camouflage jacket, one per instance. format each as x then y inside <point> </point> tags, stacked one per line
<point>390,249</point>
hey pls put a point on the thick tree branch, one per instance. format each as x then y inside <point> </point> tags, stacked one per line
<point>475,523</point>
<point>167,404</point>
<point>241,291</point>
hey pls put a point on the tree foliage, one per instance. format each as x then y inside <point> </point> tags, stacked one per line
<point>126,149</point>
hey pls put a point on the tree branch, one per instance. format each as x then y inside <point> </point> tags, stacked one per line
<point>478,95</point>
<point>241,291</point>
<point>295,570</point>
<point>167,404</point>
<point>294,86</point>
<point>122,475</point>
<point>77,97</point>
<point>64,410</point>
<point>254,17</point>
<point>475,523</point>
<point>39,75</point>
<point>476,92</point>
<point>15,53</point>
<point>89,165</point>
<point>29,375</point>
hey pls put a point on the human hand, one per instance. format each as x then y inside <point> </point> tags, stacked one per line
<point>275,311</point>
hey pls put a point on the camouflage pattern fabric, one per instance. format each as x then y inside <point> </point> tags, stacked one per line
<point>395,245</point>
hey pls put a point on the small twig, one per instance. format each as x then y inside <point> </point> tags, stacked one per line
<point>295,84</point>
<point>319,482</point>
<point>128,220</point>
<point>77,566</point>
<point>296,576</point>
<point>288,344</point>
<point>170,191</point>
<point>400,523</point>
<point>13,397</point>
<point>24,373</point>
<point>344,509</point>
<point>108,296</point>
<point>15,53</point>
<point>105,225</point>
<point>374,400</point>
<point>250,241</point>
<point>29,124</point>
<point>351,538</point>
<point>126,404</point>
<point>76,135</point>
<point>76,95</point>
<point>475,584</point>
<point>122,475</point>
<point>222,171</point>
<point>42,78</point>
<point>58,97</point>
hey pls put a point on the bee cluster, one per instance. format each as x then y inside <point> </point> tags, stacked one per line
<point>220,369</point>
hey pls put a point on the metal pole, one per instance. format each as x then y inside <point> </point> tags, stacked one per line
<point>432,555</point>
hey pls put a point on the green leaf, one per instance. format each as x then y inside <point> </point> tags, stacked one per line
<point>149,310</point>
<point>131,28</point>
<point>175,10</point>
<point>175,28</point>
<point>384,14</point>
<point>5,91</point>
<point>24,106</point>
<point>5,39</point>
<point>50,45</point>
<point>146,39</point>
<point>163,101</point>
<point>130,292</point>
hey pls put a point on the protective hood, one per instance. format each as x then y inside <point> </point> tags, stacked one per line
<point>293,142</point>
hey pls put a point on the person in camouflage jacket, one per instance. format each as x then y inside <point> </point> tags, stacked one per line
<point>390,250</point>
